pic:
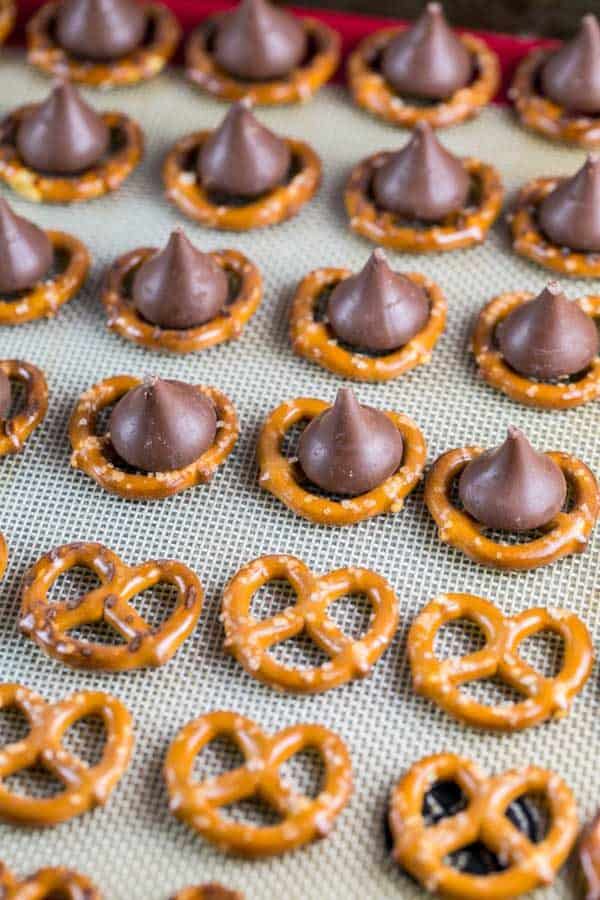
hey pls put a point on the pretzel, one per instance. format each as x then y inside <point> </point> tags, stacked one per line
<point>8,14</point>
<point>46,883</point>
<point>421,849</point>
<point>566,533</point>
<point>140,64</point>
<point>212,891</point>
<point>84,786</point>
<point>283,202</point>
<point>304,819</point>
<point>530,242</point>
<point>107,175</point>
<point>464,228</point>
<point>589,855</point>
<point>297,87</point>
<point>93,453</point>
<point>15,430</point>
<point>541,114</point>
<point>493,368</point>
<point>282,476</point>
<point>372,92</point>
<point>250,640</point>
<point>314,339</point>
<point>49,624</point>
<point>123,318</point>
<point>441,680</point>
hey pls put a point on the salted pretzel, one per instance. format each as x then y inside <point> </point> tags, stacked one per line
<point>312,337</point>
<point>529,240</point>
<point>567,533</point>
<point>185,191</point>
<point>212,891</point>
<point>49,624</point>
<point>107,175</point>
<point>441,680</point>
<point>93,453</point>
<point>464,228</point>
<point>304,819</point>
<point>283,478</point>
<point>297,87</point>
<point>250,640</point>
<point>8,14</point>
<point>372,92</point>
<point>84,786</point>
<point>539,113</point>
<point>123,318</point>
<point>423,849</point>
<point>589,855</point>
<point>46,883</point>
<point>494,369</point>
<point>142,63</point>
<point>15,430</point>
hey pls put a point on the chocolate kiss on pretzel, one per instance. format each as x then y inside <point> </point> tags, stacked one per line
<point>350,448</point>
<point>422,180</point>
<point>377,308</point>
<point>26,253</point>
<point>570,215</point>
<point>427,60</point>
<point>256,41</point>
<point>100,30</point>
<point>571,76</point>
<point>513,487</point>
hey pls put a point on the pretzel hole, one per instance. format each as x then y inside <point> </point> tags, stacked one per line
<point>86,739</point>
<point>491,692</point>
<point>530,813</point>
<point>544,651</point>
<point>100,632</point>
<point>18,398</point>
<point>299,652</point>
<point>13,726</point>
<point>353,614</point>
<point>156,603</point>
<point>72,585</point>
<point>458,637</point>
<point>35,781</point>
<point>304,772</point>
<point>273,598</point>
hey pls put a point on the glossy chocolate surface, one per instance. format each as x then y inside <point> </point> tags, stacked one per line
<point>100,30</point>
<point>26,254</point>
<point>571,77</point>
<point>570,215</point>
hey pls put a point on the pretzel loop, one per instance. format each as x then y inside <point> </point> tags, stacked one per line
<point>421,849</point>
<point>49,624</point>
<point>85,786</point>
<point>8,14</point>
<point>250,640</point>
<point>17,428</point>
<point>49,882</point>
<point>304,819</point>
<point>567,533</point>
<point>545,697</point>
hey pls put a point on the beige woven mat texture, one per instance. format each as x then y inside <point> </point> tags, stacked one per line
<point>133,848</point>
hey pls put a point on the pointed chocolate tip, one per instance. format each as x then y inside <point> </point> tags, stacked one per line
<point>589,22</point>
<point>554,288</point>
<point>593,159</point>
<point>423,127</point>
<point>379,255</point>
<point>513,433</point>
<point>434,9</point>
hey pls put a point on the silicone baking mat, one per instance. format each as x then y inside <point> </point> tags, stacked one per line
<point>134,848</point>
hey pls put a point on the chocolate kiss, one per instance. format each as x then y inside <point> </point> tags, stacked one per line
<point>571,76</point>
<point>570,215</point>
<point>427,60</point>
<point>180,287</point>
<point>257,41</point>
<point>5,395</point>
<point>422,180</point>
<point>162,425</point>
<point>349,448</point>
<point>26,254</point>
<point>62,135</point>
<point>242,158</point>
<point>100,29</point>
<point>548,337</point>
<point>377,309</point>
<point>513,488</point>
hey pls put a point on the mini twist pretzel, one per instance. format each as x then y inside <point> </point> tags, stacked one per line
<point>250,640</point>
<point>8,14</point>
<point>441,680</point>
<point>227,326</point>
<point>142,63</point>
<point>107,175</point>
<point>491,364</point>
<point>464,228</point>
<point>539,113</point>
<point>212,891</point>
<point>92,453</point>
<point>567,533</point>
<point>314,340</point>
<point>85,786</point>
<point>17,428</point>
<point>282,476</point>
<point>46,883</point>
<point>530,242</point>
<point>421,849</point>
<point>372,92</point>
<point>281,203</point>
<point>297,87</point>
<point>304,819</point>
<point>48,623</point>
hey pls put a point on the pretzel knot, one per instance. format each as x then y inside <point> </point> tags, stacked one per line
<point>422,849</point>
<point>303,818</point>
<point>85,786</point>
<point>250,640</point>
<point>46,883</point>
<point>48,624</point>
<point>441,680</point>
